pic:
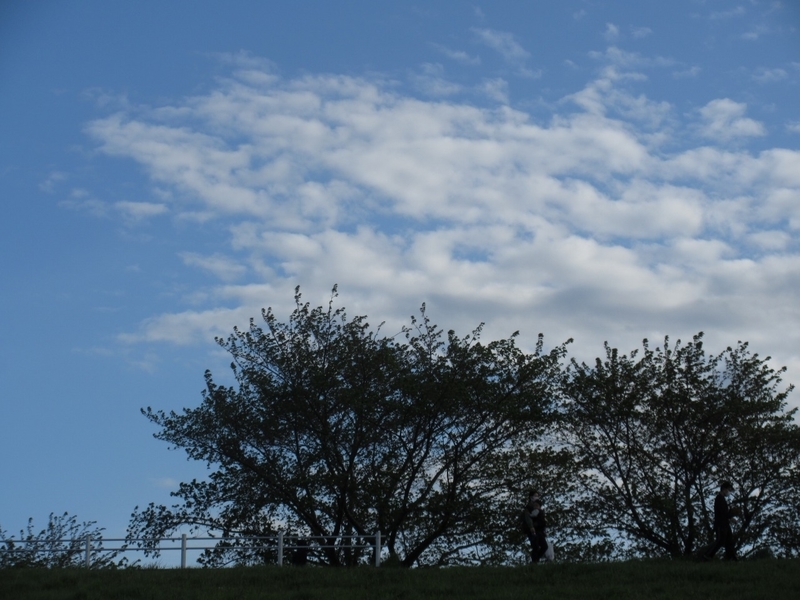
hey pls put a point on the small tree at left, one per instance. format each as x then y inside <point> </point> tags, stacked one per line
<point>61,544</point>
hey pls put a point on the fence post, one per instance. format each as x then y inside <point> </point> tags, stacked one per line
<point>280,549</point>
<point>183,551</point>
<point>378,548</point>
<point>88,551</point>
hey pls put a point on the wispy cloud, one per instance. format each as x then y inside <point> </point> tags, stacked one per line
<point>504,43</point>
<point>764,75</point>
<point>137,211</point>
<point>724,120</point>
<point>691,72</point>
<point>618,57</point>
<point>224,267</point>
<point>755,33</point>
<point>52,180</point>
<point>430,81</point>
<point>611,34</point>
<point>496,89</point>
<point>458,55</point>
<point>569,227</point>
<point>733,13</point>
<point>512,52</point>
<point>81,200</point>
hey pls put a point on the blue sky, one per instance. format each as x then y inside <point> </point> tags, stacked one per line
<point>589,169</point>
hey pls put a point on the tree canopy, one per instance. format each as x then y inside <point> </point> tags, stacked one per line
<point>657,432</point>
<point>333,429</point>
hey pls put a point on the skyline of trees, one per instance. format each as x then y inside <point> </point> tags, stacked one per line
<point>334,429</point>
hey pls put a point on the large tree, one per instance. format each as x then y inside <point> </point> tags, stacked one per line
<point>657,432</point>
<point>333,429</point>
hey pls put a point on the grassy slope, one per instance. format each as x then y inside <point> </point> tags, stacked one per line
<point>772,579</point>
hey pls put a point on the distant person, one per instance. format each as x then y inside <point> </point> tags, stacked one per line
<point>723,514</point>
<point>539,527</point>
<point>300,554</point>
<point>534,525</point>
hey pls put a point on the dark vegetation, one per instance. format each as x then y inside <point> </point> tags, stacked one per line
<point>649,579</point>
<point>333,428</point>
<point>60,544</point>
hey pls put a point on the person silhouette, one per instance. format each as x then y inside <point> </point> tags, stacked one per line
<point>723,535</point>
<point>534,525</point>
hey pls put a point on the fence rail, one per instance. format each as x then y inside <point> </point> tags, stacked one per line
<point>91,544</point>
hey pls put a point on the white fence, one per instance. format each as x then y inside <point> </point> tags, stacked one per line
<point>282,543</point>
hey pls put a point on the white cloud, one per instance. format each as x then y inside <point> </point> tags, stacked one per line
<point>724,121</point>
<point>641,32</point>
<point>138,211</point>
<point>167,483</point>
<point>603,96</point>
<point>52,180</point>
<point>739,11</point>
<point>431,81</point>
<point>764,75</point>
<point>628,60</point>
<point>226,268</point>
<point>771,240</point>
<point>502,42</point>
<point>611,33</point>
<point>580,226</point>
<point>692,72</point>
<point>458,55</point>
<point>507,46</point>
<point>497,89</point>
<point>755,33</point>
<point>81,200</point>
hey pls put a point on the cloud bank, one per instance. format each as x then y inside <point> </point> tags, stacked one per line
<point>617,218</point>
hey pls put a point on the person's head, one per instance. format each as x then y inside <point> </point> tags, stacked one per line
<point>726,488</point>
<point>533,495</point>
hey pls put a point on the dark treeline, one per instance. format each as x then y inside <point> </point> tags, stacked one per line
<point>433,439</point>
<point>333,428</point>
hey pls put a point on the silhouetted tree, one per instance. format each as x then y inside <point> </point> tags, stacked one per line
<point>61,544</point>
<point>335,429</point>
<point>656,433</point>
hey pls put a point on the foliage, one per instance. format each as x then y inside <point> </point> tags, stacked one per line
<point>658,433</point>
<point>655,580</point>
<point>61,544</point>
<point>334,429</point>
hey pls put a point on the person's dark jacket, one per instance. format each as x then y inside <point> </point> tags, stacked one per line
<point>722,512</point>
<point>538,522</point>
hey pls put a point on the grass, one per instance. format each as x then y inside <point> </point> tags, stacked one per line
<point>772,579</point>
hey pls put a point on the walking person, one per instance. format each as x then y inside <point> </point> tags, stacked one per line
<point>534,524</point>
<point>723,514</point>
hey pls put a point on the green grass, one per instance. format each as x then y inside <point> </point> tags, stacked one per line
<point>768,579</point>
